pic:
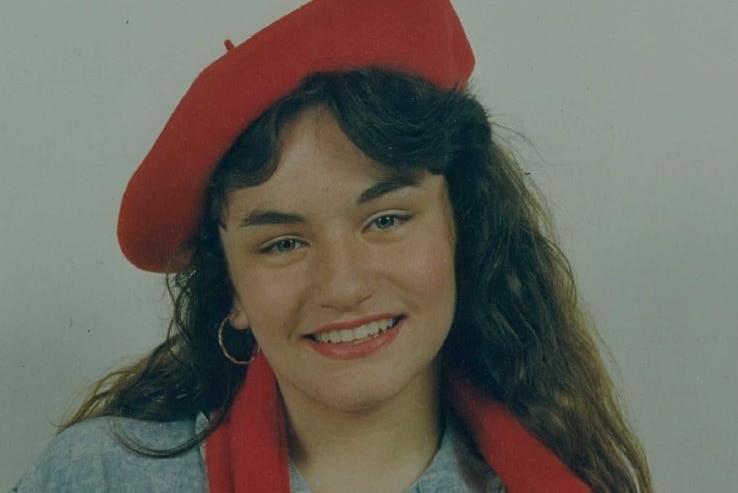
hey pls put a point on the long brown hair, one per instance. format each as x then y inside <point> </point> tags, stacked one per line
<point>519,332</point>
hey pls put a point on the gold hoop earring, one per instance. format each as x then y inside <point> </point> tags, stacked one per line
<point>227,354</point>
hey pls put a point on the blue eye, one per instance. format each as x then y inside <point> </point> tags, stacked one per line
<point>285,245</point>
<point>387,221</point>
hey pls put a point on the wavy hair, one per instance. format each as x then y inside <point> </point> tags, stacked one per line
<point>519,332</point>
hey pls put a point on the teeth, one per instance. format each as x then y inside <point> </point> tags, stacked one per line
<point>362,332</point>
<point>359,333</point>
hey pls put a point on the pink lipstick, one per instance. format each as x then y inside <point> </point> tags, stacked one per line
<point>356,338</point>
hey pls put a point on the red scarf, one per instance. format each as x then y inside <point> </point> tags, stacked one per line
<point>248,452</point>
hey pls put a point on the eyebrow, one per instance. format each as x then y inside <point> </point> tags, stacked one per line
<point>394,183</point>
<point>388,185</point>
<point>261,218</point>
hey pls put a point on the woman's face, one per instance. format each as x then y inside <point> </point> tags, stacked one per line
<point>343,269</point>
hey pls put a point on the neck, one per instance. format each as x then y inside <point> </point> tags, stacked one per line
<point>381,448</point>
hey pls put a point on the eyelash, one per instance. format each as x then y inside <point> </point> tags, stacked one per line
<point>284,246</point>
<point>397,219</point>
<point>274,248</point>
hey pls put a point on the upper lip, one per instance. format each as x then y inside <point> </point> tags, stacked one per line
<point>352,324</point>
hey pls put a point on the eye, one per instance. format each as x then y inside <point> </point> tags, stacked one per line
<point>387,221</point>
<point>282,246</point>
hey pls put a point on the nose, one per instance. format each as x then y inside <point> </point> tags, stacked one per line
<point>342,274</point>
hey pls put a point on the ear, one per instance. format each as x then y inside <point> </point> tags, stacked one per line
<point>238,318</point>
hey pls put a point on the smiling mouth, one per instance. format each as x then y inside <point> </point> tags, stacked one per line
<point>357,334</point>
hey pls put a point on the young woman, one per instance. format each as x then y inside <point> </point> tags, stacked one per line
<point>366,294</point>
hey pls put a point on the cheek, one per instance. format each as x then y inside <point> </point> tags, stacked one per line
<point>429,270</point>
<point>271,300</point>
<point>427,266</point>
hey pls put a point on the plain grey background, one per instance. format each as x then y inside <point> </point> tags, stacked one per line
<point>632,109</point>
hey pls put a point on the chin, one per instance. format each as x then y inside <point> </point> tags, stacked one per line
<point>356,400</point>
<point>363,391</point>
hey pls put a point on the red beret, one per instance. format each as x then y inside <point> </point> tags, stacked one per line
<point>164,202</point>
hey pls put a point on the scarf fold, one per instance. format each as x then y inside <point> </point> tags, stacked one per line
<point>248,452</point>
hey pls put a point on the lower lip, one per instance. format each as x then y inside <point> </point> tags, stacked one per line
<point>356,350</point>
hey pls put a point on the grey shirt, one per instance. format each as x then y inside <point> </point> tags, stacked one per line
<point>88,458</point>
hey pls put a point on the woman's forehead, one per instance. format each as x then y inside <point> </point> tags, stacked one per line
<point>316,155</point>
<point>313,140</point>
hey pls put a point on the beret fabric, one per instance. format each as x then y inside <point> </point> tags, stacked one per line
<point>164,202</point>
